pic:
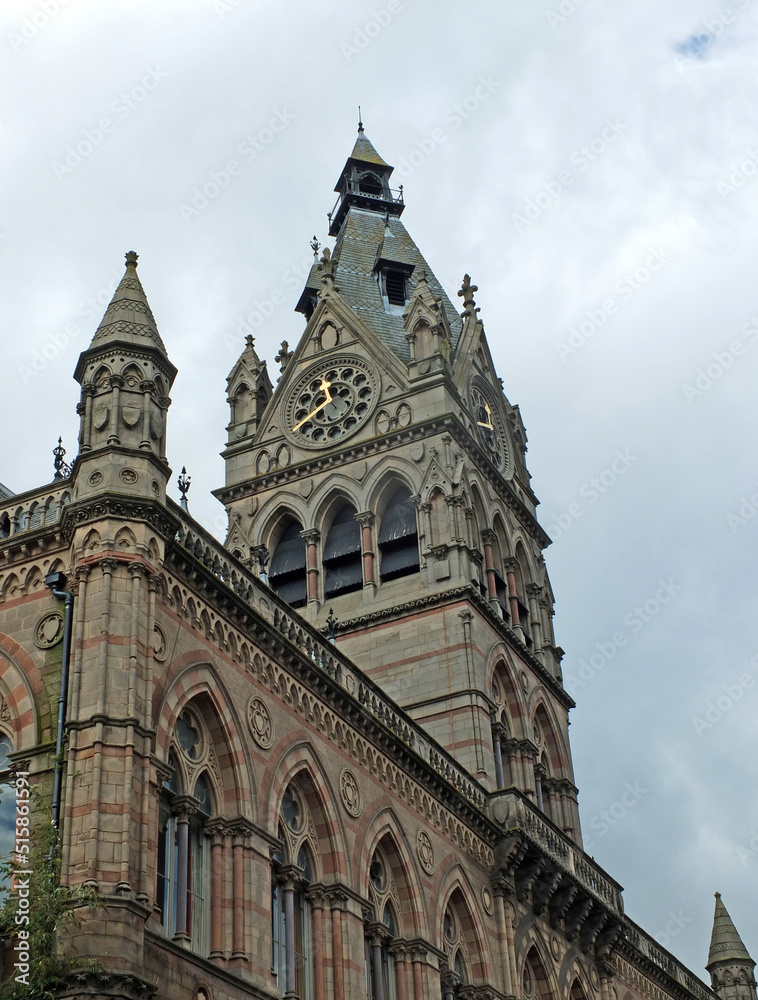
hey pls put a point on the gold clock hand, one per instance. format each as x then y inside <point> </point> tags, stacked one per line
<point>324,387</point>
<point>489,418</point>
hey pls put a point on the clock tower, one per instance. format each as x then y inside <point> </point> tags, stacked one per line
<point>382,489</point>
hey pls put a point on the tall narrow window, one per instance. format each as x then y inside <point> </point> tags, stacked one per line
<point>287,573</point>
<point>342,554</point>
<point>398,537</point>
<point>182,886</point>
<point>291,916</point>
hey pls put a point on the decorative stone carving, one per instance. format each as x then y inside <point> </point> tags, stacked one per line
<point>159,643</point>
<point>259,723</point>
<point>49,630</point>
<point>351,793</point>
<point>95,478</point>
<point>425,851</point>
<point>128,476</point>
<point>487,900</point>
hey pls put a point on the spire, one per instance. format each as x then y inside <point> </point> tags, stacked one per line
<point>129,319</point>
<point>364,183</point>
<point>726,944</point>
<point>128,322</point>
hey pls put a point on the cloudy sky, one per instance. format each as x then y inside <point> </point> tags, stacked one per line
<point>594,166</point>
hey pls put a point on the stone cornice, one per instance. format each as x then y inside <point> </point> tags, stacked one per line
<point>449,423</point>
<point>125,508</point>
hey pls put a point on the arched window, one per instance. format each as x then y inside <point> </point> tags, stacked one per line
<point>183,879</point>
<point>370,184</point>
<point>287,574</point>
<point>5,526</point>
<point>291,916</point>
<point>398,537</point>
<point>343,572</point>
<point>381,977</point>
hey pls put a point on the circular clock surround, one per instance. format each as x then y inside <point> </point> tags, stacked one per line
<point>489,424</point>
<point>330,401</point>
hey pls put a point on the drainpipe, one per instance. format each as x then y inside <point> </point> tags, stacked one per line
<point>56,582</point>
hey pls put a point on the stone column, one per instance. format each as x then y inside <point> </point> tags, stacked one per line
<point>146,386</point>
<point>449,983</point>
<point>318,902</point>
<point>183,810</point>
<point>312,537</point>
<point>488,537</point>
<point>534,592</point>
<point>418,957</point>
<point>366,521</point>
<point>238,877</point>
<point>215,831</point>
<point>289,879</point>
<point>503,936</point>
<point>497,735</point>
<point>338,957</point>
<point>400,953</point>
<point>510,574</point>
<point>117,383</point>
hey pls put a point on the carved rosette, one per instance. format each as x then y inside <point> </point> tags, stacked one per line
<point>350,793</point>
<point>259,723</point>
<point>49,630</point>
<point>425,851</point>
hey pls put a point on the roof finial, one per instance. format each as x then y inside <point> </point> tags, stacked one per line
<point>360,123</point>
<point>183,482</point>
<point>131,258</point>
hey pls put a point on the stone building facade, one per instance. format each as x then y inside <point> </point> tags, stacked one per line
<point>329,758</point>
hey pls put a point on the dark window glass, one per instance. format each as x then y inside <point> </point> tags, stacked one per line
<point>395,284</point>
<point>342,554</point>
<point>398,538</point>
<point>287,574</point>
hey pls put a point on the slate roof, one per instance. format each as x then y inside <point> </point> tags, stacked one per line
<point>361,241</point>
<point>726,944</point>
<point>5,493</point>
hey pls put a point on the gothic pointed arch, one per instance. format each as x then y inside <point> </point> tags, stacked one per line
<point>460,932</point>
<point>299,764</point>
<point>341,554</point>
<point>287,570</point>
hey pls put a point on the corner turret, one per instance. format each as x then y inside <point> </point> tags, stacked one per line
<point>729,963</point>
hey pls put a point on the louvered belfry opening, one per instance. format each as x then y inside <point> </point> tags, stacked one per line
<point>342,554</point>
<point>287,572</point>
<point>398,537</point>
<point>395,283</point>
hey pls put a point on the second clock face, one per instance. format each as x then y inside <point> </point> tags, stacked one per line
<point>489,427</point>
<point>331,402</point>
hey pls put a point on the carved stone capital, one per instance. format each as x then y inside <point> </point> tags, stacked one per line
<point>533,590</point>
<point>511,564</point>
<point>312,536</point>
<point>366,518</point>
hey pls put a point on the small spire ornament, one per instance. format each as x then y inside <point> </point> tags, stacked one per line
<point>315,246</point>
<point>184,482</point>
<point>61,467</point>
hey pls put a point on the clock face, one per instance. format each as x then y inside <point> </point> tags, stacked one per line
<point>331,402</point>
<point>489,426</point>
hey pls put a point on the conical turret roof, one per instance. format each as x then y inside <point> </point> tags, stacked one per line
<point>128,322</point>
<point>364,151</point>
<point>129,319</point>
<point>726,944</point>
